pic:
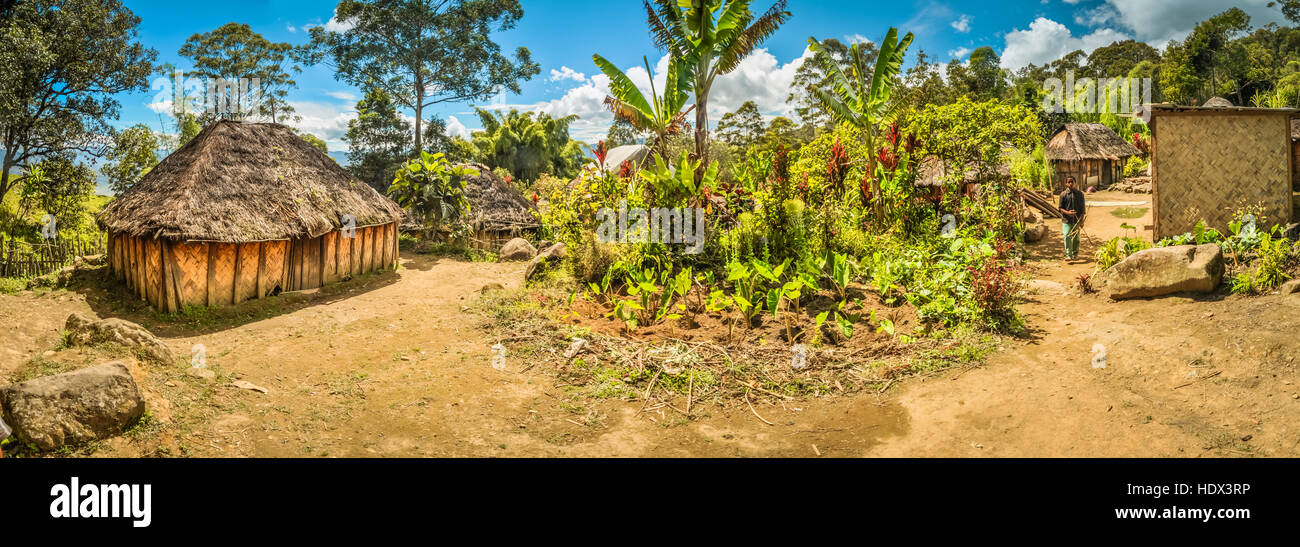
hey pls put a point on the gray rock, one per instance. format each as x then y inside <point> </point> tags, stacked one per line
<point>552,255</point>
<point>1290,287</point>
<point>74,407</point>
<point>1166,270</point>
<point>1035,232</point>
<point>83,331</point>
<point>517,249</point>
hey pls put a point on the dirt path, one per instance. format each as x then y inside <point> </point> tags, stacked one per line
<point>394,367</point>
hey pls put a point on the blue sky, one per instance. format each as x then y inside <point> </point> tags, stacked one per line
<point>562,36</point>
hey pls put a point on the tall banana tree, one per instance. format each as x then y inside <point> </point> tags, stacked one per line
<point>861,97</point>
<point>661,115</point>
<point>710,37</point>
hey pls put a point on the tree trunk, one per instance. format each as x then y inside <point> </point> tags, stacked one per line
<point>701,137</point>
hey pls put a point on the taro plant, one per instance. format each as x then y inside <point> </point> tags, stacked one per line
<point>720,303</point>
<point>745,290</point>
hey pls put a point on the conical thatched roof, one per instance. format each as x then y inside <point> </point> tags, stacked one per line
<point>1088,141</point>
<point>495,205</point>
<point>243,182</point>
<point>1217,102</point>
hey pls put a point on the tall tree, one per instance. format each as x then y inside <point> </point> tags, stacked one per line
<point>743,127</point>
<point>528,146</point>
<point>710,46</point>
<point>134,153</point>
<point>1118,59</point>
<point>61,64</point>
<point>423,52</point>
<point>982,78</point>
<point>1194,68</point>
<point>378,139</point>
<point>60,187</point>
<point>621,132</point>
<point>234,51</point>
<point>811,75</point>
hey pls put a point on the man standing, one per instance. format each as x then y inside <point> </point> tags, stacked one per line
<point>1073,209</point>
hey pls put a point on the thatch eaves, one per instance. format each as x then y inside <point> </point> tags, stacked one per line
<point>245,182</point>
<point>1217,102</point>
<point>1088,141</point>
<point>495,205</point>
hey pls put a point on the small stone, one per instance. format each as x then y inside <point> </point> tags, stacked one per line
<point>201,373</point>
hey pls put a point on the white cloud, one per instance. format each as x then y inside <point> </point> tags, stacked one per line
<point>959,53</point>
<point>962,24</point>
<point>327,121</point>
<point>857,39</point>
<point>761,78</point>
<point>342,95</point>
<point>1159,21</point>
<point>161,107</point>
<point>457,129</point>
<point>566,73</point>
<point>333,25</point>
<point>291,28</point>
<point>1046,40</point>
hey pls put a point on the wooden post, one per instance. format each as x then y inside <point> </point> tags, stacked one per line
<point>261,269</point>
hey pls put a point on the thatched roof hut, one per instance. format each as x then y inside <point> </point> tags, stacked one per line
<point>242,211</point>
<point>1217,102</point>
<point>498,212</point>
<point>1090,152</point>
<point>933,173</point>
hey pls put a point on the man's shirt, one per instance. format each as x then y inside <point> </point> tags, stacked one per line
<point>1071,199</point>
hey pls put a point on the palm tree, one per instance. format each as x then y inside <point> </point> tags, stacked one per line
<point>709,47</point>
<point>662,116</point>
<point>863,102</point>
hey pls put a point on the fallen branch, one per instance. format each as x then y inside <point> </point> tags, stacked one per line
<point>751,409</point>
<point>1206,377</point>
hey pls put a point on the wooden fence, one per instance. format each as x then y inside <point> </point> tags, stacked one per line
<point>22,259</point>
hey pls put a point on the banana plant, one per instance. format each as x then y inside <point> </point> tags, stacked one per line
<point>861,97</point>
<point>677,184</point>
<point>660,115</point>
<point>711,39</point>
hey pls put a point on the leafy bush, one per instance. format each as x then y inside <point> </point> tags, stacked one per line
<point>1117,249</point>
<point>1135,167</point>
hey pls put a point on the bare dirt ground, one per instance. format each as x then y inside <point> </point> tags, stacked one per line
<point>391,365</point>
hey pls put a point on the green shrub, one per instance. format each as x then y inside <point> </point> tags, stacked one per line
<point>1117,249</point>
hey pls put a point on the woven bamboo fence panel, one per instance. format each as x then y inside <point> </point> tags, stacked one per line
<point>1208,166</point>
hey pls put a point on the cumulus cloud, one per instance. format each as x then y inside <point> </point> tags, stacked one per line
<point>1159,21</point>
<point>291,28</point>
<point>959,53</point>
<point>761,78</point>
<point>857,39</point>
<point>962,24</point>
<point>1046,40</point>
<point>566,73</point>
<point>457,129</point>
<point>327,121</point>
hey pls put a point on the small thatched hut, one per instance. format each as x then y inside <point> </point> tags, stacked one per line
<point>1217,102</point>
<point>243,211</point>
<point>497,211</point>
<point>1090,152</point>
<point>1208,162</point>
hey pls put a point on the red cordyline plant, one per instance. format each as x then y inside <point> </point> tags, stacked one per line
<point>600,151</point>
<point>837,167</point>
<point>625,170</point>
<point>1141,144</point>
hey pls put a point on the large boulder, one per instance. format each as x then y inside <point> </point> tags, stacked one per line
<point>545,259</point>
<point>1166,270</point>
<point>1035,232</point>
<point>517,249</point>
<point>1290,287</point>
<point>74,407</point>
<point>84,331</point>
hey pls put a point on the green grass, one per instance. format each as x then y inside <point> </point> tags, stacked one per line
<point>1129,212</point>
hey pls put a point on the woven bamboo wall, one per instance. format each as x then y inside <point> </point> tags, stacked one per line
<point>1208,165</point>
<point>170,275</point>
